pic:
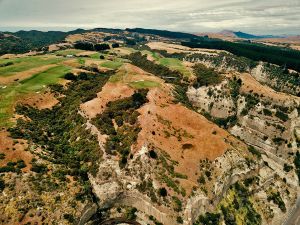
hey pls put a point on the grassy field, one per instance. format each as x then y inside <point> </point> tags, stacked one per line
<point>154,55</point>
<point>10,94</point>
<point>175,64</point>
<point>144,84</point>
<point>112,64</point>
<point>26,63</point>
<point>68,52</point>
<point>96,55</point>
<point>171,63</point>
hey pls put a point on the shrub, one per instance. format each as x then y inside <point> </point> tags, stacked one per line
<point>278,140</point>
<point>254,151</point>
<point>163,192</point>
<point>69,217</point>
<point>6,64</point>
<point>206,76</point>
<point>130,42</point>
<point>276,198</point>
<point>178,204</point>
<point>209,219</point>
<point>153,154</point>
<point>101,47</point>
<point>297,165</point>
<point>21,164</point>
<point>287,168</point>
<point>267,112</point>
<point>2,184</point>
<point>39,168</point>
<point>201,180</point>
<point>2,156</point>
<point>70,76</point>
<point>179,219</point>
<point>115,45</point>
<point>84,46</point>
<point>130,214</point>
<point>281,115</point>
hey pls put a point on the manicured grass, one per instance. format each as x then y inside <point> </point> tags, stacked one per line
<point>81,61</point>
<point>10,94</point>
<point>40,80</point>
<point>26,63</point>
<point>171,63</point>
<point>68,52</point>
<point>112,64</point>
<point>7,99</point>
<point>144,84</point>
<point>96,55</point>
<point>155,55</point>
<point>175,64</point>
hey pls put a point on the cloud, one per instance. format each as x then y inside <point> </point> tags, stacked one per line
<point>257,16</point>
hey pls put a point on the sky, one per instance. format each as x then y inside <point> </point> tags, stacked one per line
<point>194,16</point>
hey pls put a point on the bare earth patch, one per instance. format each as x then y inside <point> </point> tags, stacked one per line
<point>184,134</point>
<point>174,48</point>
<point>250,83</point>
<point>40,100</point>
<point>113,91</point>
<point>110,92</point>
<point>14,150</point>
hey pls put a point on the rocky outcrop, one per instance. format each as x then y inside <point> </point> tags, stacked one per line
<point>88,212</point>
<point>115,187</point>
<point>214,100</point>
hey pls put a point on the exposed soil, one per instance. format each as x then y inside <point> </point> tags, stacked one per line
<point>14,150</point>
<point>184,134</point>
<point>173,48</point>
<point>116,90</point>
<point>250,83</point>
<point>40,100</point>
<point>55,47</point>
<point>110,92</point>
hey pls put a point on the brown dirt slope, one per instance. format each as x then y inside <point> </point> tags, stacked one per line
<point>14,150</point>
<point>182,133</point>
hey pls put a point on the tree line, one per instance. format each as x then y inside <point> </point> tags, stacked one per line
<point>281,56</point>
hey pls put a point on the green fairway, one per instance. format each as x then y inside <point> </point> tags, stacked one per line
<point>112,64</point>
<point>143,84</point>
<point>95,56</point>
<point>38,81</point>
<point>10,94</point>
<point>154,55</point>
<point>175,64</point>
<point>68,52</point>
<point>26,63</point>
<point>171,63</point>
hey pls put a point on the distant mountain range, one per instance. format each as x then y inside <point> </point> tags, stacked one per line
<point>243,35</point>
<point>238,35</point>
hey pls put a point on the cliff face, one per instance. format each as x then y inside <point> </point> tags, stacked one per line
<point>266,117</point>
<point>213,100</point>
<point>115,187</point>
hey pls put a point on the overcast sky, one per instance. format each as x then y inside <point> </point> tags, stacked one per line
<point>253,16</point>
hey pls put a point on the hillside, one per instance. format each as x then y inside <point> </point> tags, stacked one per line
<point>145,126</point>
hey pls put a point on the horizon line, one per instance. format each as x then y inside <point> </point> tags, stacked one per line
<point>14,29</point>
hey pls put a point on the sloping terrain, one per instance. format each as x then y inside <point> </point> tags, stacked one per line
<point>147,133</point>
